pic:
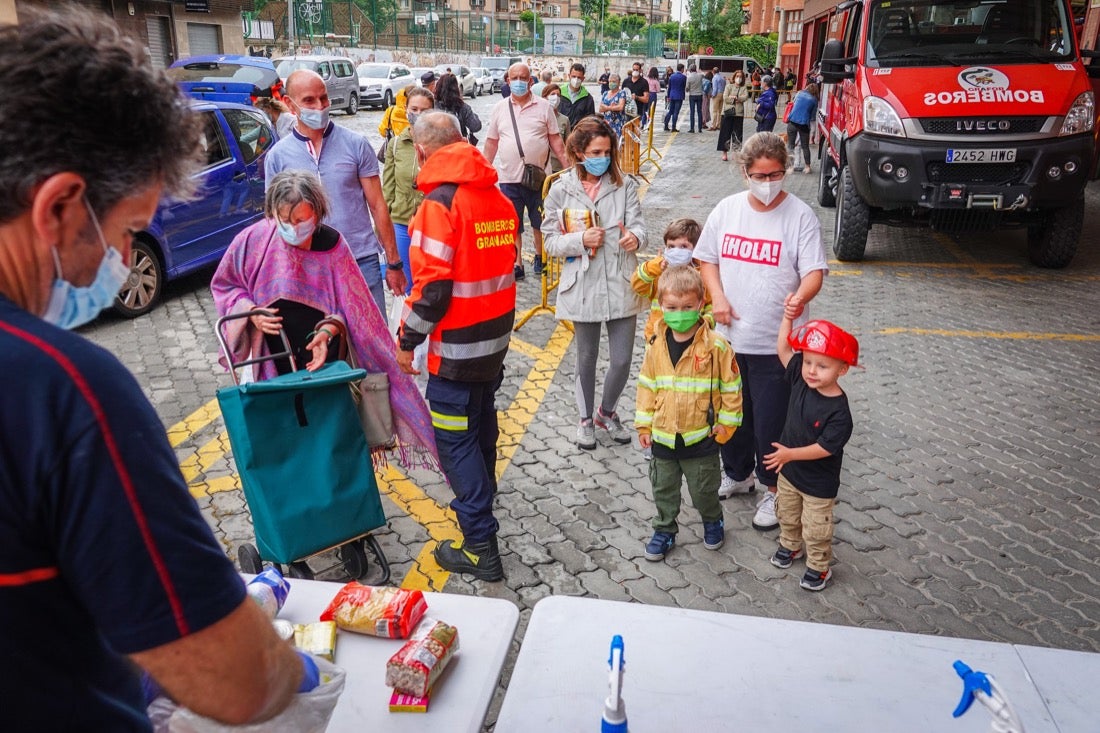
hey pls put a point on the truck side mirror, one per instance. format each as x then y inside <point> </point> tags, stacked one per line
<point>834,65</point>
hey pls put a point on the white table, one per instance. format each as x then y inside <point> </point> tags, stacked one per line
<point>461,696</point>
<point>700,671</point>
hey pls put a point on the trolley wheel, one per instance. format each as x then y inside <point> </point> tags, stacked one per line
<point>249,558</point>
<point>354,559</point>
<point>300,569</point>
<point>371,543</point>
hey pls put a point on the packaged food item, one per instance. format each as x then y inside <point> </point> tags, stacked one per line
<point>378,611</point>
<point>417,665</point>
<point>269,589</point>
<point>402,703</point>
<point>318,639</point>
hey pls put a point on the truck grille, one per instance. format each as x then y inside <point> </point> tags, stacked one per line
<point>964,220</point>
<point>995,173</point>
<point>950,125</point>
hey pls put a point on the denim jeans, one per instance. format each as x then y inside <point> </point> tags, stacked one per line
<point>373,275</point>
<point>695,108</point>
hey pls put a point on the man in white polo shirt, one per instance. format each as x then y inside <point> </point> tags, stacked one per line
<point>537,124</point>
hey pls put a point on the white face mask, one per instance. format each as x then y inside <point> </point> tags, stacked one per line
<point>574,83</point>
<point>766,191</point>
<point>675,256</point>
<point>554,100</point>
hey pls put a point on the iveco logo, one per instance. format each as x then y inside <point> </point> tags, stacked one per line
<point>982,125</point>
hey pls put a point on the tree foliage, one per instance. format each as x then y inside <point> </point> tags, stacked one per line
<point>715,23</point>
<point>532,21</point>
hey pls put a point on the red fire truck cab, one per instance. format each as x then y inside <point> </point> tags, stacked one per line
<point>960,115</point>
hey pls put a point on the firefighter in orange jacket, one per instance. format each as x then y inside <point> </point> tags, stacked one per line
<point>462,251</point>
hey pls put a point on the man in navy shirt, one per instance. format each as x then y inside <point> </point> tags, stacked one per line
<point>106,564</point>
<point>677,84</point>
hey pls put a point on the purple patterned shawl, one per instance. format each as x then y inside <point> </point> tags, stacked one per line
<point>259,269</point>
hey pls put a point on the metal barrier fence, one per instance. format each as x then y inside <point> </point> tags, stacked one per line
<point>551,275</point>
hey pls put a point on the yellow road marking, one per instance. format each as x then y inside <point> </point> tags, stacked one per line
<point>202,460</point>
<point>193,423</point>
<point>209,486</point>
<point>1014,335</point>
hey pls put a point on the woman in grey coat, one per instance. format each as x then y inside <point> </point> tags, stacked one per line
<point>593,218</point>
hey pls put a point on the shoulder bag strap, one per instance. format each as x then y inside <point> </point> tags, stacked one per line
<point>515,129</point>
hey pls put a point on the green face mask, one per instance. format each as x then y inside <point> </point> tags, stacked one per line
<point>681,321</point>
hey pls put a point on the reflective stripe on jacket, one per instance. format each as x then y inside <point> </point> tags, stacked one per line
<point>675,399</point>
<point>462,250</point>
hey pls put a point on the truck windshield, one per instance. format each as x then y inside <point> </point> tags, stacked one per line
<point>923,33</point>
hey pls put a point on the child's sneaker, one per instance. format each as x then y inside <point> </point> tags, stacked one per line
<point>765,519</point>
<point>784,558</point>
<point>815,580</point>
<point>731,486</point>
<point>586,435</point>
<point>714,534</point>
<point>659,544</point>
<point>613,425</point>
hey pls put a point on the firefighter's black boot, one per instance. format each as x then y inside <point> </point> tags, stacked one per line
<point>479,559</point>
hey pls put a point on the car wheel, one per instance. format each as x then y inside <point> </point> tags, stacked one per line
<point>145,284</point>
<point>387,101</point>
<point>1052,242</point>
<point>353,104</point>
<point>853,220</point>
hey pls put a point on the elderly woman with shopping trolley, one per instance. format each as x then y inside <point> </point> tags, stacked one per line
<point>296,275</point>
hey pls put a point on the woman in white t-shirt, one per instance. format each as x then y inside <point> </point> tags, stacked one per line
<point>756,247</point>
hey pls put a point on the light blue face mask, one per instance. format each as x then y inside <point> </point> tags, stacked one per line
<point>597,166</point>
<point>314,119</point>
<point>70,306</point>
<point>518,88</point>
<point>295,234</point>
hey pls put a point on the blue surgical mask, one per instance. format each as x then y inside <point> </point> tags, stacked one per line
<point>70,306</point>
<point>518,88</point>
<point>295,234</point>
<point>314,119</point>
<point>597,166</point>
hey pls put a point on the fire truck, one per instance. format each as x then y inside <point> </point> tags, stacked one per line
<point>959,115</point>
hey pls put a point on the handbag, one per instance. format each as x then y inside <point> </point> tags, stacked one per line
<point>533,176</point>
<point>759,116</point>
<point>630,109</point>
<point>372,399</point>
<point>787,111</point>
<point>385,144</point>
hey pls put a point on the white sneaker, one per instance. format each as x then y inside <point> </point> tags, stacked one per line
<point>731,486</point>
<point>764,519</point>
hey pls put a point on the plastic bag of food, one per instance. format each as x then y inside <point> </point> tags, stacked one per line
<point>378,611</point>
<point>417,665</point>
<point>308,712</point>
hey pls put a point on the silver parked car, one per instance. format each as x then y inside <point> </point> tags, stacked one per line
<point>380,82</point>
<point>466,81</point>
<point>483,80</point>
<point>338,72</point>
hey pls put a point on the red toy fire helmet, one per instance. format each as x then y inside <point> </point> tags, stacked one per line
<point>822,337</point>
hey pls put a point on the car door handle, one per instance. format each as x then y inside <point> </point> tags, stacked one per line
<point>237,178</point>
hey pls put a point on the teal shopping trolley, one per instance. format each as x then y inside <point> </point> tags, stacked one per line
<point>304,466</point>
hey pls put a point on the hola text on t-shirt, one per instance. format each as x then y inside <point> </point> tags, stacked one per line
<point>761,251</point>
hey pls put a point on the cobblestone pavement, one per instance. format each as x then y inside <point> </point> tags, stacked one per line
<point>969,505</point>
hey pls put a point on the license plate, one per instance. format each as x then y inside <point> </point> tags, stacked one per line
<point>981,155</point>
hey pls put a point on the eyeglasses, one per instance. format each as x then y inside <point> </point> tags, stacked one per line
<point>765,177</point>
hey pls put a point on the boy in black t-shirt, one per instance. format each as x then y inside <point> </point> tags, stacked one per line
<point>811,448</point>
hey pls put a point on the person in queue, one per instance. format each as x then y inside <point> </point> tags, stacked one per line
<point>757,246</point>
<point>612,104</point>
<point>734,98</point>
<point>107,566</point>
<point>463,301</point>
<point>399,176</point>
<point>552,94</point>
<point>653,81</point>
<point>538,136</point>
<point>638,88</point>
<point>766,114</point>
<point>448,97</point>
<point>302,273</point>
<point>677,90</point>
<point>576,102</point>
<point>348,168</point>
<point>594,220</point>
<point>278,113</point>
<point>718,85</point>
<point>803,114</point>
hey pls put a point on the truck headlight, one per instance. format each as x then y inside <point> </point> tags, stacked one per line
<point>880,118</point>
<point>1081,116</point>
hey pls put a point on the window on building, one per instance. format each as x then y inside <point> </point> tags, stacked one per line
<point>794,26</point>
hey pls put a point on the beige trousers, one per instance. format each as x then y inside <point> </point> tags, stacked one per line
<point>716,112</point>
<point>805,519</point>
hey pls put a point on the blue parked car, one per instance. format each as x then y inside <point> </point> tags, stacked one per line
<point>227,78</point>
<point>185,236</point>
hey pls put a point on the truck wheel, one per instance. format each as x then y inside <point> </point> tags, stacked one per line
<point>853,220</point>
<point>826,181</point>
<point>1053,241</point>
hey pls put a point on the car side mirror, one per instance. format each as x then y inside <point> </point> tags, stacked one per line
<point>835,67</point>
